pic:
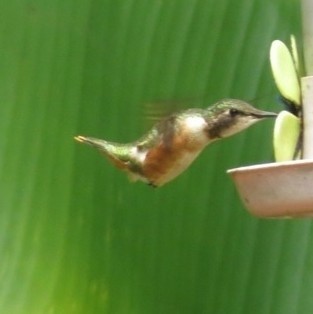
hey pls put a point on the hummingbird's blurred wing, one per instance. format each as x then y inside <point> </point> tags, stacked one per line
<point>157,110</point>
<point>160,134</point>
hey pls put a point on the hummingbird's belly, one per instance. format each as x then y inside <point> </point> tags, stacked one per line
<point>165,169</point>
<point>178,167</point>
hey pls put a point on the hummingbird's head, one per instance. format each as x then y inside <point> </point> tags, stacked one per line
<point>230,116</point>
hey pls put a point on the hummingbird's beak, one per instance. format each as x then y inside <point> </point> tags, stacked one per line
<point>259,114</point>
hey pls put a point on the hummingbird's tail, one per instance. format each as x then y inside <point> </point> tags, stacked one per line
<point>110,149</point>
<point>116,152</point>
<point>95,142</point>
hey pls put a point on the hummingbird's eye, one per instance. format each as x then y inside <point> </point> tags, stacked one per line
<point>233,112</point>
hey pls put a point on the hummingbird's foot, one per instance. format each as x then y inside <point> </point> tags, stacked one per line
<point>152,184</point>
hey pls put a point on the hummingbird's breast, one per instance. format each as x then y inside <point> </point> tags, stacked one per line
<point>171,156</point>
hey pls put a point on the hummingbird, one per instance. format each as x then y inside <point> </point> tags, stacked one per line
<point>175,141</point>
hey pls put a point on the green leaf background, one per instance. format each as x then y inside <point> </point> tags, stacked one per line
<point>75,235</point>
